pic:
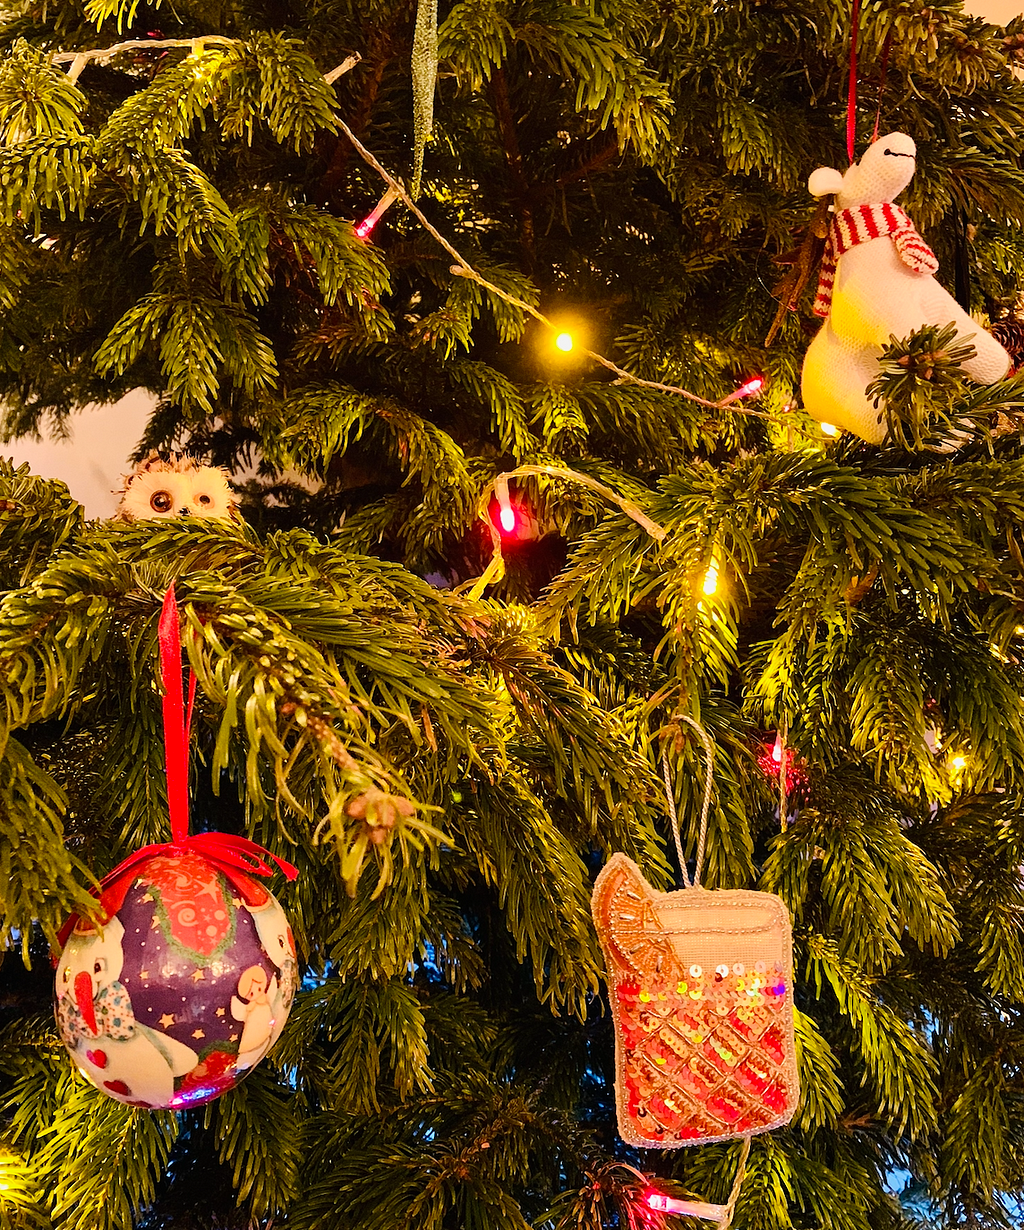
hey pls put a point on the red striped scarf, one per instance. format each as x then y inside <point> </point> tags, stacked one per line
<point>850,227</point>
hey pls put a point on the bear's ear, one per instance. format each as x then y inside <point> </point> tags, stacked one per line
<point>824,181</point>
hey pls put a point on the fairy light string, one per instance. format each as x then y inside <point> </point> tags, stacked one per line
<point>396,190</point>
<point>498,487</point>
<point>464,269</point>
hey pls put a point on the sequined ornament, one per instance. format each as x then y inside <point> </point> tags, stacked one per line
<point>183,989</point>
<point>702,999</point>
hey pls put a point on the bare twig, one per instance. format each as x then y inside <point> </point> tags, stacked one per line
<point>79,59</point>
<point>464,269</point>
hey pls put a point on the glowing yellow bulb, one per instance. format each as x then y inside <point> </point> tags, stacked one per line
<point>564,342</point>
<point>711,579</point>
<point>829,430</point>
<point>958,764</point>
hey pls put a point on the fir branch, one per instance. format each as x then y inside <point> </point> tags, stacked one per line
<point>899,1064</point>
<point>821,1090</point>
<point>40,881</point>
<point>102,1160</point>
<point>256,1133</point>
<point>976,1130</point>
<point>35,99</point>
<point>541,889</point>
<point>37,518</point>
<point>369,1030</point>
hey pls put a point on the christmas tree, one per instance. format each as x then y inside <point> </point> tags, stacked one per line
<point>473,304</point>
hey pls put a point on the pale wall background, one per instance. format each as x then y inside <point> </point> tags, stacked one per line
<point>95,456</point>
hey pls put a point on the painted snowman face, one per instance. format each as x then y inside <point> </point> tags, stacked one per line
<point>91,960</point>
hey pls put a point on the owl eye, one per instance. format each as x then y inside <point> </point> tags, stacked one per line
<point>204,499</point>
<point>160,501</point>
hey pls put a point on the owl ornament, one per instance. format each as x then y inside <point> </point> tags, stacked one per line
<point>181,487</point>
<point>701,991</point>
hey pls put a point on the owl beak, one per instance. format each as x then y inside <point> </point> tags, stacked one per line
<point>183,511</point>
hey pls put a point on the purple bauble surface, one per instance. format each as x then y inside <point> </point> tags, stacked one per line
<point>184,989</point>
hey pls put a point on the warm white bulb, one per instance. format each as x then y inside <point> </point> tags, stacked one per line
<point>958,764</point>
<point>711,579</point>
<point>564,342</point>
<point>829,430</point>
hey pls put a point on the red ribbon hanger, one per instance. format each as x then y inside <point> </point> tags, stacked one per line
<point>851,89</point>
<point>237,858</point>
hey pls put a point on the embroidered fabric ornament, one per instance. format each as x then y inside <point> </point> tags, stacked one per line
<point>188,980</point>
<point>882,286</point>
<point>701,990</point>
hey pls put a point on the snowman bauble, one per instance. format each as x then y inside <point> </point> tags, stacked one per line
<point>183,989</point>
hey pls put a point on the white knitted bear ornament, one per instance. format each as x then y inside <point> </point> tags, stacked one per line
<point>876,283</point>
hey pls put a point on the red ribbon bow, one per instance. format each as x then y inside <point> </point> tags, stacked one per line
<point>238,858</point>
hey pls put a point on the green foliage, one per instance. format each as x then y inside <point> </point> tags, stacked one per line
<point>36,99</point>
<point>21,1204</point>
<point>198,336</point>
<point>38,517</point>
<point>127,1150</point>
<point>256,1133</point>
<point>42,881</point>
<point>47,172</point>
<point>821,1095</point>
<point>449,763</point>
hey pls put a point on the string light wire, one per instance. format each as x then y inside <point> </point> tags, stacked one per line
<point>462,267</point>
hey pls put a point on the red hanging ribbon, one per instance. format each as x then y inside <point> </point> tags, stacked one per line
<point>886,48</point>
<point>175,731</point>
<point>851,93</point>
<point>237,858</point>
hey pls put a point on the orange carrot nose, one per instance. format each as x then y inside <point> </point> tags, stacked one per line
<point>83,997</point>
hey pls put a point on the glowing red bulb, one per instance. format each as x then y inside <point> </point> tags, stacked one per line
<point>365,228</point>
<point>660,1203</point>
<point>750,388</point>
<point>507,518</point>
<point>773,758</point>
